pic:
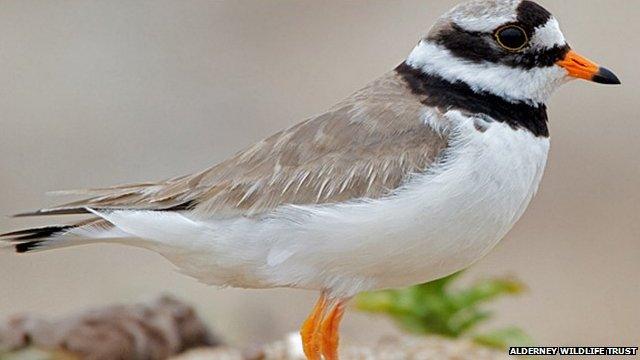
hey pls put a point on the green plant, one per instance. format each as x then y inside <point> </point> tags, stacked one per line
<point>435,308</point>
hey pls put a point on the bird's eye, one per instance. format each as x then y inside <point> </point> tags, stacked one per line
<point>512,37</point>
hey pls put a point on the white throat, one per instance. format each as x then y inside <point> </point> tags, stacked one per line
<point>532,86</point>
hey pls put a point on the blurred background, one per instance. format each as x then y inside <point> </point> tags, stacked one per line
<point>95,93</point>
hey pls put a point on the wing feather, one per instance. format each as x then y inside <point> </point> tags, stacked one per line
<point>365,147</point>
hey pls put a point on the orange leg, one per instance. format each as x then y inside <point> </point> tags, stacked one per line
<point>330,329</point>
<point>311,341</point>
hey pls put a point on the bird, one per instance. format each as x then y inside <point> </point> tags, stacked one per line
<point>415,176</point>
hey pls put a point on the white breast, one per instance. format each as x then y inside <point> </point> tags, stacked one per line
<point>439,223</point>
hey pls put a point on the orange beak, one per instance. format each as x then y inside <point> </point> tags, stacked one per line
<point>583,68</point>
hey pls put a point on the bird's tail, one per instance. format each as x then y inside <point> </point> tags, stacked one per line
<point>60,236</point>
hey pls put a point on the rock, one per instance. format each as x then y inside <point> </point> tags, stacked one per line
<point>157,330</point>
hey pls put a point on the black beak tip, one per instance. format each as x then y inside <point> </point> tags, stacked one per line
<point>606,76</point>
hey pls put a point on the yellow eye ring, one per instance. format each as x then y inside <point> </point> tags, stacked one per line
<point>512,37</point>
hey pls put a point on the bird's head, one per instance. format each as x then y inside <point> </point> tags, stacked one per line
<point>510,48</point>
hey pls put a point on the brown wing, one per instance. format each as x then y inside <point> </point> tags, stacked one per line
<point>365,147</point>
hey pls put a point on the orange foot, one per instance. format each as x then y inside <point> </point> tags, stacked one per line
<point>330,330</point>
<point>320,332</point>
<point>309,332</point>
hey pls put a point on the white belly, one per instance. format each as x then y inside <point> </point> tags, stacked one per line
<point>439,223</point>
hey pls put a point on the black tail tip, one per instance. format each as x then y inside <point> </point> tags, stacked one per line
<point>27,246</point>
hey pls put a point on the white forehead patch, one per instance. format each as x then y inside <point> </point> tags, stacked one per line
<point>549,35</point>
